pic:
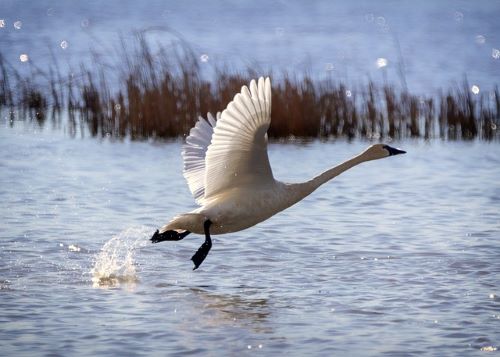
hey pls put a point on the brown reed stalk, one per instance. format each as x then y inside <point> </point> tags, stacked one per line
<point>161,93</point>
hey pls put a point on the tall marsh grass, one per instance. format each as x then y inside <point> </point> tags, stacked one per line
<point>160,94</point>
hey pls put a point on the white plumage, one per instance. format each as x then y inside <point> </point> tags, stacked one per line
<point>194,152</point>
<point>228,172</point>
<point>232,151</point>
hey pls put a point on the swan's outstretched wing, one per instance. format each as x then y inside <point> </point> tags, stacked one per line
<point>193,153</point>
<point>237,155</point>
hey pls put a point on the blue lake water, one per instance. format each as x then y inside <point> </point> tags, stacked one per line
<point>397,256</point>
<point>435,42</point>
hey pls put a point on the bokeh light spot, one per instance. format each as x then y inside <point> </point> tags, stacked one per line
<point>480,39</point>
<point>458,16</point>
<point>204,58</point>
<point>382,62</point>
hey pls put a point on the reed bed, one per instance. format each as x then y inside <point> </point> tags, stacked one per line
<point>160,93</point>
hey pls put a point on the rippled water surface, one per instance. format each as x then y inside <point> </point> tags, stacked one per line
<point>398,256</point>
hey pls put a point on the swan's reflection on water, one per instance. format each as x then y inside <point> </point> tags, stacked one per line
<point>217,309</point>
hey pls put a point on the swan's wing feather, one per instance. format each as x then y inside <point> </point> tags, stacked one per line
<point>193,153</point>
<point>237,155</point>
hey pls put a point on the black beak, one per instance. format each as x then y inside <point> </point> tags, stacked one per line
<point>393,151</point>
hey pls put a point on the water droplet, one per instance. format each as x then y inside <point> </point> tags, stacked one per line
<point>495,53</point>
<point>488,348</point>
<point>369,17</point>
<point>18,24</point>
<point>260,346</point>
<point>381,62</point>
<point>61,245</point>
<point>480,39</point>
<point>380,20</point>
<point>64,44</point>
<point>492,296</point>
<point>329,67</point>
<point>50,11</point>
<point>204,57</point>
<point>249,347</point>
<point>74,248</point>
<point>118,107</point>
<point>24,57</point>
<point>279,31</point>
<point>348,93</point>
<point>458,16</point>
<point>85,23</point>
<point>474,89</point>
<point>436,321</point>
<point>2,23</point>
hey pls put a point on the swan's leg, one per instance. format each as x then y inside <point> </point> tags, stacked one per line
<point>202,252</point>
<point>168,235</point>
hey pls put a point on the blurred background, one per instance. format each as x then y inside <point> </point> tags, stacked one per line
<point>437,43</point>
<point>397,69</point>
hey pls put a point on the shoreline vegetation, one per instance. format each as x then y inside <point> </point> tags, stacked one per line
<point>159,94</point>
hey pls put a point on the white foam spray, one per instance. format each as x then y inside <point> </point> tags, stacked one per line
<point>115,264</point>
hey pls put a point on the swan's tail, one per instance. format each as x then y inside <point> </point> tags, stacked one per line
<point>192,222</point>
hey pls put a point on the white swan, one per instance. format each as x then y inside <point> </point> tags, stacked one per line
<point>227,169</point>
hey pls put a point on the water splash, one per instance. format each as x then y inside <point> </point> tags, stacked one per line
<point>115,264</point>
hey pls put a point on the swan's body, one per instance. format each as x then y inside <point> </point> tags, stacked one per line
<point>236,209</point>
<point>228,171</point>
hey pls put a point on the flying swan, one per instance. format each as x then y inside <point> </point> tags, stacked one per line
<point>228,172</point>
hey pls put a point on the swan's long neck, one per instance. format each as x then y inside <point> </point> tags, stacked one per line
<point>299,191</point>
<point>334,172</point>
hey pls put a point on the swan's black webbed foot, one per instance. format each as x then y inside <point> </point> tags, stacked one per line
<point>202,252</point>
<point>168,236</point>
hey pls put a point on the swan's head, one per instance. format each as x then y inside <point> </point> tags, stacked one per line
<point>379,151</point>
